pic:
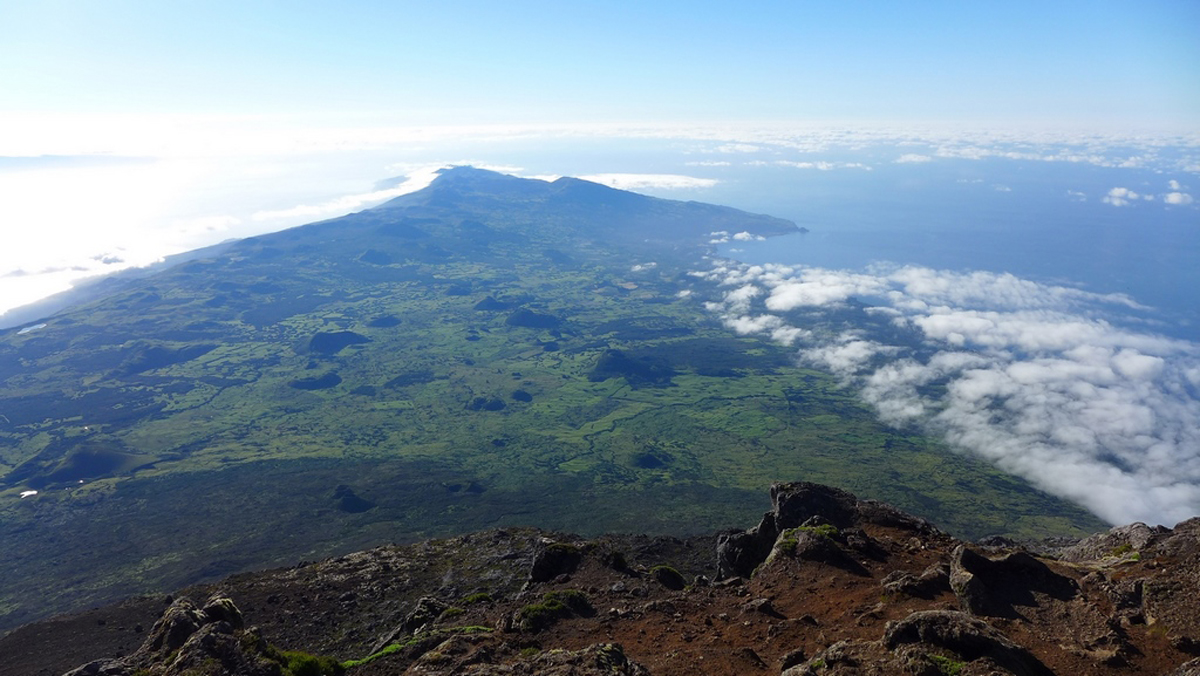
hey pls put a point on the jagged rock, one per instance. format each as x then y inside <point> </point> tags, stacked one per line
<point>809,546</point>
<point>932,581</point>
<point>791,659</point>
<point>857,540</point>
<point>553,559</point>
<point>101,668</point>
<point>1115,543</point>
<point>179,622</point>
<point>968,637</point>
<point>841,658</point>
<point>475,656</point>
<point>668,577</point>
<point>873,658</point>
<point>746,658</point>
<point>795,503</point>
<point>740,552</point>
<point>1189,668</point>
<point>997,542</point>
<point>424,613</point>
<point>995,587</point>
<point>187,640</point>
<point>217,643</point>
<point>1182,540</point>
<point>800,503</point>
<point>883,514</point>
<point>763,606</point>
<point>222,609</point>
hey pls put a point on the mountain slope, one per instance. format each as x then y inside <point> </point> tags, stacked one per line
<point>488,351</point>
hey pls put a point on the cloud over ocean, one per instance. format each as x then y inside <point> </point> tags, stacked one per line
<point>1042,380</point>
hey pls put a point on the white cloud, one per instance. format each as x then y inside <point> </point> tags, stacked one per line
<point>1001,188</point>
<point>1033,378</point>
<point>206,224</point>
<point>745,236</point>
<point>913,158</point>
<point>847,354</point>
<point>1120,197</point>
<point>1174,185</point>
<point>651,181</point>
<point>738,148</point>
<point>820,165</point>
<point>1178,198</point>
<point>344,204</point>
<point>738,300</point>
<point>709,163</point>
<point>818,287</point>
<point>1076,196</point>
<point>416,177</point>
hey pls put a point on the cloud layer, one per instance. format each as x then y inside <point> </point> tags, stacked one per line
<point>1033,377</point>
<point>650,181</point>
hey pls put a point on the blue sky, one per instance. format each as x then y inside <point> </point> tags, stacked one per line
<point>1055,63</point>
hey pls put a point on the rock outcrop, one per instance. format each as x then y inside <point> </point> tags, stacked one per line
<point>807,505</point>
<point>998,587</point>
<point>188,640</point>
<point>968,638</point>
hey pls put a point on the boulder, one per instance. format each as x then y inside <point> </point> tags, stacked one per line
<point>740,552</point>
<point>1115,543</point>
<point>996,587</point>
<point>553,559</point>
<point>966,636</point>
<point>668,577</point>
<point>795,503</point>
<point>932,581</point>
<point>190,640</point>
<point>424,613</point>
<point>222,609</point>
<point>807,504</point>
<point>176,625</point>
<point>218,644</point>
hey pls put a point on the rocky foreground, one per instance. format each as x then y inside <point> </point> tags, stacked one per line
<point>825,584</point>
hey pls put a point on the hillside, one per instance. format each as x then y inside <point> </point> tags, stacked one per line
<point>489,351</point>
<point>826,583</point>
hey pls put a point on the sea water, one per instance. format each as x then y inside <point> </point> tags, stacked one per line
<point>1042,221</point>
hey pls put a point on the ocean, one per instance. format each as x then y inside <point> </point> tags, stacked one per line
<point>1042,221</point>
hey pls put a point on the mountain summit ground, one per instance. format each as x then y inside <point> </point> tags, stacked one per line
<point>826,583</point>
